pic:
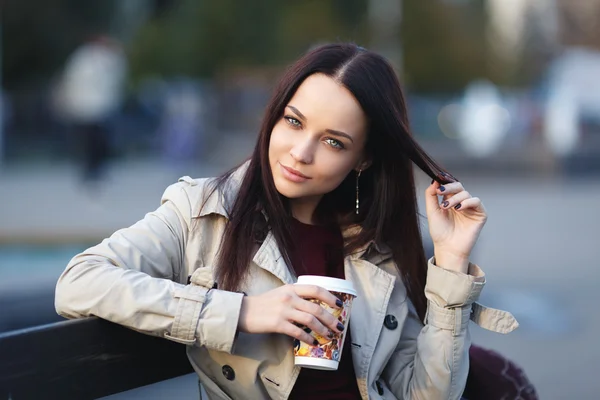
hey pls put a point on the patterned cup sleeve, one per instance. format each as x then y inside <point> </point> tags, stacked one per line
<point>327,348</point>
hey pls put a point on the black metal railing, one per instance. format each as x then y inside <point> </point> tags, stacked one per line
<point>84,359</point>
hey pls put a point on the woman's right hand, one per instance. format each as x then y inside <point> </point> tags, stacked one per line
<point>282,310</point>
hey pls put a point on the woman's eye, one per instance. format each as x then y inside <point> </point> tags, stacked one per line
<point>334,143</point>
<point>293,122</point>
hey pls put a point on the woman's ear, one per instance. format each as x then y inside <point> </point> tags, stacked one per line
<point>363,165</point>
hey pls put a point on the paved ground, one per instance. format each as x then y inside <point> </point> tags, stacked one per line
<point>539,250</point>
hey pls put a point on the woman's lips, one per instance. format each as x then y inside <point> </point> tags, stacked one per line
<point>293,175</point>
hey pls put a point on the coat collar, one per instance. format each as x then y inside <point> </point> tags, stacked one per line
<point>217,201</point>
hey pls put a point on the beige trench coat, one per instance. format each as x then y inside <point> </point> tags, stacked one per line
<point>138,278</point>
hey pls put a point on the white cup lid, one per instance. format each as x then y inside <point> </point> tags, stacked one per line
<point>331,284</point>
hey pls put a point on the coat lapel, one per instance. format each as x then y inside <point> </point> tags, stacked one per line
<point>269,258</point>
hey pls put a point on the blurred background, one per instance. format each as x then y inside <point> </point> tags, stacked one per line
<point>104,103</point>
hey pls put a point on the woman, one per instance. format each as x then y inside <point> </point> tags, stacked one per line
<point>329,190</point>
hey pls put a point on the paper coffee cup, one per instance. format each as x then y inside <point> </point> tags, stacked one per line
<point>327,353</point>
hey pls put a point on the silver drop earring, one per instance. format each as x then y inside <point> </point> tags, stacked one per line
<point>357,201</point>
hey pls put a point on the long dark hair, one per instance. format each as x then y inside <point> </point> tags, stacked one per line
<point>387,190</point>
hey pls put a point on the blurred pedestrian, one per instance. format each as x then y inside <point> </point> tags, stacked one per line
<point>88,95</point>
<point>484,121</point>
<point>181,130</point>
<point>329,190</point>
<point>5,114</point>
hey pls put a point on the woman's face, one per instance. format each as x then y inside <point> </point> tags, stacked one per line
<point>319,139</point>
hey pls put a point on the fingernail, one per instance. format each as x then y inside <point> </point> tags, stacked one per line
<point>339,303</point>
<point>442,188</point>
<point>315,342</point>
<point>445,204</point>
<point>307,330</point>
<point>340,326</point>
<point>457,206</point>
<point>330,335</point>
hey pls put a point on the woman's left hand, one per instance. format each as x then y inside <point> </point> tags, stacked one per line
<point>454,223</point>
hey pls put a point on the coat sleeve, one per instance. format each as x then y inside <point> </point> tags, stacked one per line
<point>137,278</point>
<point>431,360</point>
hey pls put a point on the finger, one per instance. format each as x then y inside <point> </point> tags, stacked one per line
<point>450,189</point>
<point>298,333</point>
<point>473,203</point>
<point>310,323</point>
<point>455,200</point>
<point>327,320</point>
<point>432,203</point>
<point>318,293</point>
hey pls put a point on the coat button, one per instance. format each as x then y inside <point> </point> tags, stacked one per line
<point>379,388</point>
<point>228,372</point>
<point>390,322</point>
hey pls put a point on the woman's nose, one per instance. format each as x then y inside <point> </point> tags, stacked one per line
<point>303,152</point>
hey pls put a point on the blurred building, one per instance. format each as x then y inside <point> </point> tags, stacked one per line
<point>516,26</point>
<point>579,23</point>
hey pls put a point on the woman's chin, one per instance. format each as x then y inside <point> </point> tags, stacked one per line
<point>290,193</point>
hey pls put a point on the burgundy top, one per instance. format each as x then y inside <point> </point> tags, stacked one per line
<point>319,251</point>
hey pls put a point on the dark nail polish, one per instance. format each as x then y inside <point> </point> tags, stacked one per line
<point>340,326</point>
<point>330,335</point>
<point>315,342</point>
<point>442,188</point>
<point>339,303</point>
<point>307,330</point>
<point>445,204</point>
<point>457,206</point>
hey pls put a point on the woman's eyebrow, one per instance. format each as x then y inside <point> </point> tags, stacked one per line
<point>339,133</point>
<point>294,109</point>
<point>331,131</point>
